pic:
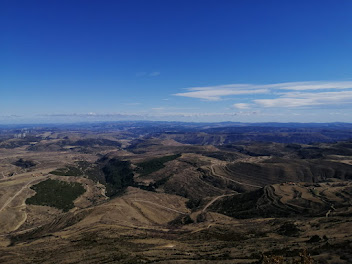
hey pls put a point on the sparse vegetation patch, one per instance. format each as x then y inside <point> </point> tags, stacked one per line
<point>118,176</point>
<point>57,194</point>
<point>82,169</point>
<point>153,165</point>
<point>68,171</point>
<point>24,164</point>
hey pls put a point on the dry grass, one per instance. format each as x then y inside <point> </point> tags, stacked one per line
<point>305,258</point>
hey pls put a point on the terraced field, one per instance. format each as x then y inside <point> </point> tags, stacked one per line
<point>290,199</point>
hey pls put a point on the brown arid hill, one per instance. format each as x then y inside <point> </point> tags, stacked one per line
<point>290,199</point>
<point>151,197</point>
<point>141,228</point>
<point>270,170</point>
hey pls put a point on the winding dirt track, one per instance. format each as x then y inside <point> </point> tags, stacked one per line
<point>217,175</point>
<point>15,195</point>
<point>215,199</point>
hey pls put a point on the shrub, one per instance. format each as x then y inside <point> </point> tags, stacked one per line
<point>58,194</point>
<point>152,165</point>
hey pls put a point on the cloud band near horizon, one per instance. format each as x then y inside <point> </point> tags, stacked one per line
<point>277,95</point>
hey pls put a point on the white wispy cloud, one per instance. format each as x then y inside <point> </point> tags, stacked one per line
<point>241,106</point>
<point>154,74</point>
<point>302,86</point>
<point>299,99</point>
<point>285,102</point>
<point>216,93</point>
<point>288,95</point>
<point>10,116</point>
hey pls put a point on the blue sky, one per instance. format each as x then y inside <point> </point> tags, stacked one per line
<point>249,61</point>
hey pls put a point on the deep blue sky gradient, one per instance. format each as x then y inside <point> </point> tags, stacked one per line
<point>131,57</point>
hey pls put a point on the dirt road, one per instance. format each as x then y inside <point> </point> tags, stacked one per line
<point>16,194</point>
<point>215,199</point>
<point>242,183</point>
